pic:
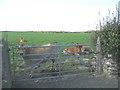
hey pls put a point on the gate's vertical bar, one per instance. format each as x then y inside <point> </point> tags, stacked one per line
<point>59,60</point>
<point>13,63</point>
<point>59,69</point>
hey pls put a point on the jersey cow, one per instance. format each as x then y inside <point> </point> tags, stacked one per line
<point>21,40</point>
<point>86,50</point>
<point>29,54</point>
<point>76,50</point>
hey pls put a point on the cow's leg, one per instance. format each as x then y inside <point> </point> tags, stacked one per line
<point>53,65</point>
<point>32,71</point>
<point>33,68</point>
<point>31,75</point>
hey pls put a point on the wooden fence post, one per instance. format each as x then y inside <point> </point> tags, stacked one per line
<point>119,13</point>
<point>99,60</point>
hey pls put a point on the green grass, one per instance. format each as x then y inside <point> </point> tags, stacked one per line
<point>39,38</point>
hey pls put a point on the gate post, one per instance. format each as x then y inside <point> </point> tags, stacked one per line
<point>6,69</point>
<point>1,64</point>
<point>99,60</point>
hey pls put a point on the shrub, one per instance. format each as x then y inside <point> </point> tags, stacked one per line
<point>109,36</point>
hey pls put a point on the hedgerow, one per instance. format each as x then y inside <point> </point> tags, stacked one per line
<point>110,36</point>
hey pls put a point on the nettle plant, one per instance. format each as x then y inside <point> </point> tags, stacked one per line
<point>109,35</point>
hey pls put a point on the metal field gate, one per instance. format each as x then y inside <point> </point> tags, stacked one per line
<point>65,64</point>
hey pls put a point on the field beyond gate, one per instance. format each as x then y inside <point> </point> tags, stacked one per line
<point>65,64</point>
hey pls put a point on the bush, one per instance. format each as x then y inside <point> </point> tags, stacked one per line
<point>109,36</point>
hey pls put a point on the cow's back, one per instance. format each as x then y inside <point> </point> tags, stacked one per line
<point>38,53</point>
<point>74,50</point>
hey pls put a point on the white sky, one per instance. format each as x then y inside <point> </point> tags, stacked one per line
<point>52,15</point>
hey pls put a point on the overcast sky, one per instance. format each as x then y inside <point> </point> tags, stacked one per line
<point>52,15</point>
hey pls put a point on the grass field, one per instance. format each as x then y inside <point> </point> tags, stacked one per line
<point>39,38</point>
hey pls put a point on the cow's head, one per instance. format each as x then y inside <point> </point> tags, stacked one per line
<point>79,46</point>
<point>87,50</point>
<point>21,51</point>
<point>21,39</point>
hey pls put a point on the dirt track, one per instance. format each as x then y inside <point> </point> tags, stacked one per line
<point>81,81</point>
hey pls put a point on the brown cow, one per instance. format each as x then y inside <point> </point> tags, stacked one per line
<point>76,50</point>
<point>39,50</point>
<point>86,49</point>
<point>21,40</point>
